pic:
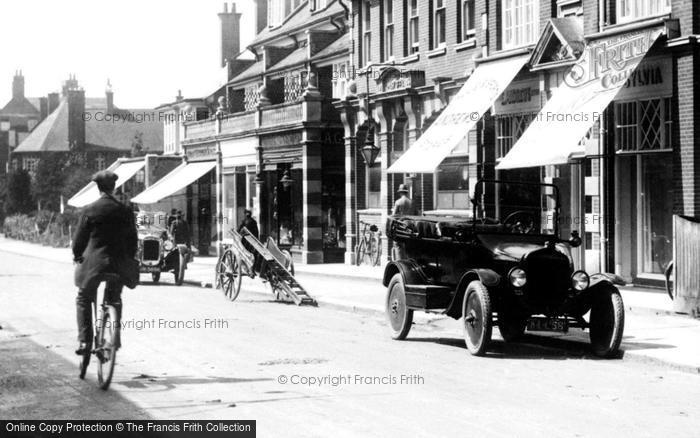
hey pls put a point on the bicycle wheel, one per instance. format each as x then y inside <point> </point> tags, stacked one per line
<point>106,345</point>
<point>375,250</point>
<point>360,251</point>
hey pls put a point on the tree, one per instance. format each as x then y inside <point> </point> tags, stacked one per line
<point>48,181</point>
<point>19,193</point>
<point>76,178</point>
<point>137,145</point>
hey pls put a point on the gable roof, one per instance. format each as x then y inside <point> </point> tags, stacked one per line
<point>302,18</point>
<point>561,43</point>
<point>51,135</point>
<point>19,107</point>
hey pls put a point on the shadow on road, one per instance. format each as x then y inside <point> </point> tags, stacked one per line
<point>37,383</point>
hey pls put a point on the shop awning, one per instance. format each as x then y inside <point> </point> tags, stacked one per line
<point>468,106</point>
<point>90,193</point>
<point>182,176</point>
<point>555,135</point>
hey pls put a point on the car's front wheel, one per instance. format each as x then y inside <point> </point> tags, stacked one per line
<point>399,315</point>
<point>607,322</point>
<point>155,276</point>
<point>476,318</point>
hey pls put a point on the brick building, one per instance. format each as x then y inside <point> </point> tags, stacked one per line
<point>596,96</point>
<point>272,143</point>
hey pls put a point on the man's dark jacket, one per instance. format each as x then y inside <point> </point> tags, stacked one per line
<point>180,231</point>
<point>106,238</point>
<point>251,225</point>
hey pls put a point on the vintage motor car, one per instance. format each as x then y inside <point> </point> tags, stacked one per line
<point>505,266</point>
<point>156,251</point>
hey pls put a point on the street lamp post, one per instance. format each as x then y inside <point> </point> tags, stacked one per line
<point>370,151</point>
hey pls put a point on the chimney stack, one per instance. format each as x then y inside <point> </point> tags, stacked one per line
<point>18,85</point>
<point>230,33</point>
<point>70,84</point>
<point>260,15</point>
<point>76,120</point>
<point>53,102</point>
<point>43,107</point>
<point>109,93</point>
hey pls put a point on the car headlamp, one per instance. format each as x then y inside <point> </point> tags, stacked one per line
<point>517,277</point>
<point>580,280</point>
<point>167,245</point>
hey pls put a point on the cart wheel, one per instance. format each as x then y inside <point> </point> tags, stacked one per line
<point>607,322</point>
<point>235,281</point>
<point>476,318</point>
<point>399,315</point>
<point>155,276</point>
<point>511,327</point>
<point>222,266</point>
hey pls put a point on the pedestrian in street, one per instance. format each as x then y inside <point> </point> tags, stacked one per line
<point>180,230</point>
<point>172,217</point>
<point>403,206</point>
<point>250,224</point>
<point>105,243</point>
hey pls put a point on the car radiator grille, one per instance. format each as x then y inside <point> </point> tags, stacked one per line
<point>548,278</point>
<point>151,249</point>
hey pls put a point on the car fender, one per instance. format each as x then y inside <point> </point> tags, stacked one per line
<point>410,271</point>
<point>488,277</point>
<point>608,277</point>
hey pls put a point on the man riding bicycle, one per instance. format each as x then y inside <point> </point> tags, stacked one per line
<point>104,242</point>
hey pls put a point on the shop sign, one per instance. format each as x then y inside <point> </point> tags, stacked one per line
<point>653,78</point>
<point>519,97</point>
<point>206,151</point>
<point>396,79</point>
<point>281,140</point>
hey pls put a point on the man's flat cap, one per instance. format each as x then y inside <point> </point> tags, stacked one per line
<point>105,176</point>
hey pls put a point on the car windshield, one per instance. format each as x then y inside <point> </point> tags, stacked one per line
<point>519,208</point>
<point>151,222</point>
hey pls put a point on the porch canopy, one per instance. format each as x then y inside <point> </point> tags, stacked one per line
<point>125,170</point>
<point>180,177</point>
<point>466,108</point>
<point>556,135</point>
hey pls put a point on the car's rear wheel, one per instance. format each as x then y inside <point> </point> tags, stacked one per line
<point>607,322</point>
<point>399,315</point>
<point>512,327</point>
<point>476,318</point>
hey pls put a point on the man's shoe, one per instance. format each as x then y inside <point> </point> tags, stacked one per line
<point>83,348</point>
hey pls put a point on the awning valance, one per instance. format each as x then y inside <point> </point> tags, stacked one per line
<point>468,106</point>
<point>555,135</point>
<point>90,193</point>
<point>182,176</point>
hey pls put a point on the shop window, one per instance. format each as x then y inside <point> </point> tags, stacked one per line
<point>366,34</point>
<point>439,18</point>
<point>413,36</point>
<point>388,30</point>
<point>644,125</point>
<point>508,130</point>
<point>631,10</point>
<point>374,184</point>
<point>519,22</point>
<point>452,186</point>
<point>467,20</point>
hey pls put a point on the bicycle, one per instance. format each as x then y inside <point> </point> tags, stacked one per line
<point>369,248</point>
<point>106,333</point>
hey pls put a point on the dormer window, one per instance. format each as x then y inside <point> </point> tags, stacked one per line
<point>318,4</point>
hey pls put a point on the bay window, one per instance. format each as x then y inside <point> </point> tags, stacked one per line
<point>630,10</point>
<point>519,22</point>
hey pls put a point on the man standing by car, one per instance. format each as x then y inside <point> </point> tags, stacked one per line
<point>104,243</point>
<point>180,230</point>
<point>403,206</point>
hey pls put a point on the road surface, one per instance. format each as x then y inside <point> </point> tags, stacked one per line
<point>188,353</point>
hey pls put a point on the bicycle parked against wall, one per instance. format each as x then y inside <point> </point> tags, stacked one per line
<point>369,248</point>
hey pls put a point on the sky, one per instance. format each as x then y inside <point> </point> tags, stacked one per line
<point>148,49</point>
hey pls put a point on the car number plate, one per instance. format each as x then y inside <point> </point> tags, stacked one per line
<point>543,324</point>
<point>148,269</point>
